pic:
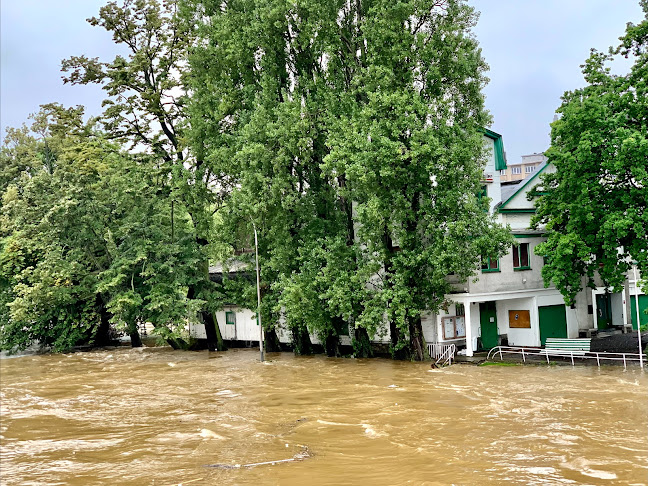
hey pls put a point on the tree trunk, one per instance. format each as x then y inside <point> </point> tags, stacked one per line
<point>361,343</point>
<point>214,338</point>
<point>417,342</point>
<point>174,342</point>
<point>301,341</point>
<point>102,336</point>
<point>332,345</point>
<point>398,351</point>
<point>212,331</point>
<point>272,343</point>
<point>133,332</point>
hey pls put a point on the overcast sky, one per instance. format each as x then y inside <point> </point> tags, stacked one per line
<point>534,49</point>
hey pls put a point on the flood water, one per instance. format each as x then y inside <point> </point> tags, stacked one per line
<point>157,416</point>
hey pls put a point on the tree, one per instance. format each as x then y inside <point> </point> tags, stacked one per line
<point>146,107</point>
<point>351,130</point>
<point>595,205</point>
<point>87,239</point>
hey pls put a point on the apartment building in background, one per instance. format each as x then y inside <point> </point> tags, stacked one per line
<point>516,171</point>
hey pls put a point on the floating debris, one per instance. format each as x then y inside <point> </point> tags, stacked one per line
<point>300,456</point>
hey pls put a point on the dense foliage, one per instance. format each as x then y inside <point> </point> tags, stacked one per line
<point>348,133</point>
<point>86,238</point>
<point>596,204</point>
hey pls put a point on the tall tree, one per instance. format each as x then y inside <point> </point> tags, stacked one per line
<point>351,130</point>
<point>410,150</point>
<point>595,207</point>
<point>146,106</point>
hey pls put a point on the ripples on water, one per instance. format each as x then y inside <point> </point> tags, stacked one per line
<point>157,416</point>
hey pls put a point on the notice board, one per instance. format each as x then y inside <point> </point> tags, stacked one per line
<point>520,319</point>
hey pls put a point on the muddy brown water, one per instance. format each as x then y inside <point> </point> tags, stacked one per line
<point>157,416</point>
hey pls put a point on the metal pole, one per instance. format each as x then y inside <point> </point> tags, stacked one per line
<point>256,251</point>
<point>638,318</point>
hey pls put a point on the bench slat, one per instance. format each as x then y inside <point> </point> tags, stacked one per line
<point>562,352</point>
<point>567,347</point>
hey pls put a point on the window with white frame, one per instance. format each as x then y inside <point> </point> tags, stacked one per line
<point>529,169</point>
<point>503,172</point>
<point>516,170</point>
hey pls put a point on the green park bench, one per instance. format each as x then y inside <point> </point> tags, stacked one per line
<point>566,347</point>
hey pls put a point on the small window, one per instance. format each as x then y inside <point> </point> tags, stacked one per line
<point>460,310</point>
<point>490,264</point>
<point>516,170</point>
<point>529,169</point>
<point>503,172</point>
<point>521,257</point>
<point>454,327</point>
<point>230,317</point>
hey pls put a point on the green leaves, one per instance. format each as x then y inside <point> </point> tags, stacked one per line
<point>349,132</point>
<point>595,207</point>
<point>89,234</point>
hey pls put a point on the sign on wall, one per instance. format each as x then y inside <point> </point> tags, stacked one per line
<point>520,319</point>
<point>454,327</point>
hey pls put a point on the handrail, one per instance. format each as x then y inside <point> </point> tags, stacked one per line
<point>450,351</point>
<point>436,349</point>
<point>527,351</point>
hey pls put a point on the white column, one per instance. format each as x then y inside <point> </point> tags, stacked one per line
<point>594,311</point>
<point>469,343</point>
<point>625,298</point>
<point>535,320</point>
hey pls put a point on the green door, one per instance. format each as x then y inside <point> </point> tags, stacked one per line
<point>603,311</point>
<point>488,322</point>
<point>643,305</point>
<point>553,322</point>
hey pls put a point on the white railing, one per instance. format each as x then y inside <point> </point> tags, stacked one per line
<point>442,353</point>
<point>436,350</point>
<point>447,357</point>
<point>530,353</point>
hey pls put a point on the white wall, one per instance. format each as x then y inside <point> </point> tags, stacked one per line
<point>518,337</point>
<point>494,189</point>
<point>616,300</point>
<point>245,329</point>
<point>428,323</point>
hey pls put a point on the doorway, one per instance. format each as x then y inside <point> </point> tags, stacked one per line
<point>488,323</point>
<point>553,322</point>
<point>603,311</point>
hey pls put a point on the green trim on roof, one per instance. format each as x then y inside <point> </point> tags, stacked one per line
<point>522,210</point>
<point>501,208</point>
<point>500,161</point>
<point>539,235</point>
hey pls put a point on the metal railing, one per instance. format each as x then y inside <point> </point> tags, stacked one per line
<point>437,349</point>
<point>530,353</point>
<point>442,353</point>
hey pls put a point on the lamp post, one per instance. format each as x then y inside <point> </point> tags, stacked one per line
<point>638,319</point>
<point>256,252</point>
